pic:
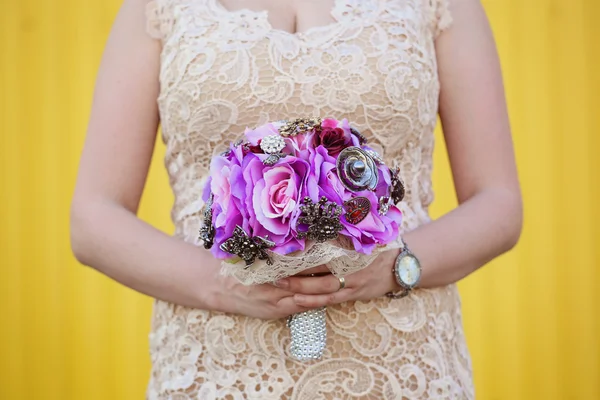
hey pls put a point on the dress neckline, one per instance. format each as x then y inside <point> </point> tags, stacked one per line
<point>263,15</point>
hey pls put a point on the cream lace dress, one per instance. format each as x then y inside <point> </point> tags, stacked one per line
<point>374,64</point>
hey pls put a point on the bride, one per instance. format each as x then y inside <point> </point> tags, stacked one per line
<point>207,69</point>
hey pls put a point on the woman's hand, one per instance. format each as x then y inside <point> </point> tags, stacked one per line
<point>257,301</point>
<point>371,282</point>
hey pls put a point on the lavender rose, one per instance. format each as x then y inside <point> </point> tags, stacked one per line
<point>226,185</point>
<point>375,229</point>
<point>255,135</point>
<point>265,199</point>
<point>272,196</point>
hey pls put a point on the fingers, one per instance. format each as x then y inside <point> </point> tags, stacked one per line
<point>310,285</point>
<point>288,306</point>
<point>319,270</point>
<point>320,300</point>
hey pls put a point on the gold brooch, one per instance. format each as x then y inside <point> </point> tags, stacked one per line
<point>300,125</point>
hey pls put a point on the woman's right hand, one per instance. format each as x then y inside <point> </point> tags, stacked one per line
<point>264,301</point>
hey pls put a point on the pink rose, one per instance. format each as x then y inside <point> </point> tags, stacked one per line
<point>273,194</point>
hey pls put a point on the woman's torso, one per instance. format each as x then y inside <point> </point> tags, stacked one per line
<point>372,62</point>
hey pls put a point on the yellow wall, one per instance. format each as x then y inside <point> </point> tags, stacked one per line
<point>532,317</point>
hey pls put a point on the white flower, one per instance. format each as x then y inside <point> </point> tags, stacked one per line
<point>177,351</point>
<point>242,27</point>
<point>362,12</point>
<point>210,391</point>
<point>264,377</point>
<point>444,388</point>
<point>336,77</point>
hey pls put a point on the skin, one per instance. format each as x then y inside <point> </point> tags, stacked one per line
<point>107,235</point>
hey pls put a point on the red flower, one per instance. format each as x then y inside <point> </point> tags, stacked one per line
<point>256,149</point>
<point>333,139</point>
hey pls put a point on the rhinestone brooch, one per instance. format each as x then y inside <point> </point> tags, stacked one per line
<point>322,218</point>
<point>357,209</point>
<point>300,125</point>
<point>207,230</point>
<point>272,145</point>
<point>397,187</point>
<point>384,205</point>
<point>248,248</point>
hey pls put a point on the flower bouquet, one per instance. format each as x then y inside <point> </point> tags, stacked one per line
<point>297,194</point>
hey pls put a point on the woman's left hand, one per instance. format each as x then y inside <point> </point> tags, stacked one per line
<point>371,282</point>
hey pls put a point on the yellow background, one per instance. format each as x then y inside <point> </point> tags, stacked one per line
<point>531,317</point>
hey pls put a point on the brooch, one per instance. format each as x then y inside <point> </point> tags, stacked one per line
<point>207,230</point>
<point>322,218</point>
<point>357,209</point>
<point>248,248</point>
<point>357,170</point>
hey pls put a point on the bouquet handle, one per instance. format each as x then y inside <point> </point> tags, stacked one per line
<point>308,334</point>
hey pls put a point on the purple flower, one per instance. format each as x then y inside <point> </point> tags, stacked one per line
<point>385,181</point>
<point>375,229</point>
<point>272,197</point>
<point>345,125</point>
<point>227,187</point>
<point>323,179</point>
<point>265,199</point>
<point>300,144</point>
<point>255,135</point>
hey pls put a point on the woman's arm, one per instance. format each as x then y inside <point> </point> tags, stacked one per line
<point>476,127</point>
<point>488,220</point>
<point>105,232</point>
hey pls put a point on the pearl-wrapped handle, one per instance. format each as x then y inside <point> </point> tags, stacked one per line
<point>308,334</point>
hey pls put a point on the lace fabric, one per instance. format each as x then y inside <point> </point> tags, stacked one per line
<point>375,65</point>
<point>339,257</point>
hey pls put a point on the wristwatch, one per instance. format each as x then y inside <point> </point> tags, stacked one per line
<point>407,273</point>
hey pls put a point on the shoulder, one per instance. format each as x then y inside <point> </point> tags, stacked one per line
<point>439,15</point>
<point>159,17</point>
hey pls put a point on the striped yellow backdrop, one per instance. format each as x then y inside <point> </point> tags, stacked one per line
<point>532,317</point>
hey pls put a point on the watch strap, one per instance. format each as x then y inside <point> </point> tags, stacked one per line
<point>398,295</point>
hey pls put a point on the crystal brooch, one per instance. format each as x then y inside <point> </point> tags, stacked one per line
<point>384,205</point>
<point>207,230</point>
<point>357,209</point>
<point>272,144</point>
<point>300,125</point>
<point>248,248</point>
<point>322,218</point>
<point>397,187</point>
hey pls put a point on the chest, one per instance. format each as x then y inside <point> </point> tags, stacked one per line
<point>292,16</point>
<point>293,38</point>
<point>229,64</point>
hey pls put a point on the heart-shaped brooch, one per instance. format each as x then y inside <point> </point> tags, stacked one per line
<point>357,209</point>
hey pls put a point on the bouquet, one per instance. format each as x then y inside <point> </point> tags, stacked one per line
<point>296,194</point>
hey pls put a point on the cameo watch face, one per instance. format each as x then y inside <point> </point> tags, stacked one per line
<point>408,270</point>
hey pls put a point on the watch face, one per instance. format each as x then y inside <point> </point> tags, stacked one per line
<point>408,270</point>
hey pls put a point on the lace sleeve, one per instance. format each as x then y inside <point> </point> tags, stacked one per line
<point>159,18</point>
<point>441,19</point>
